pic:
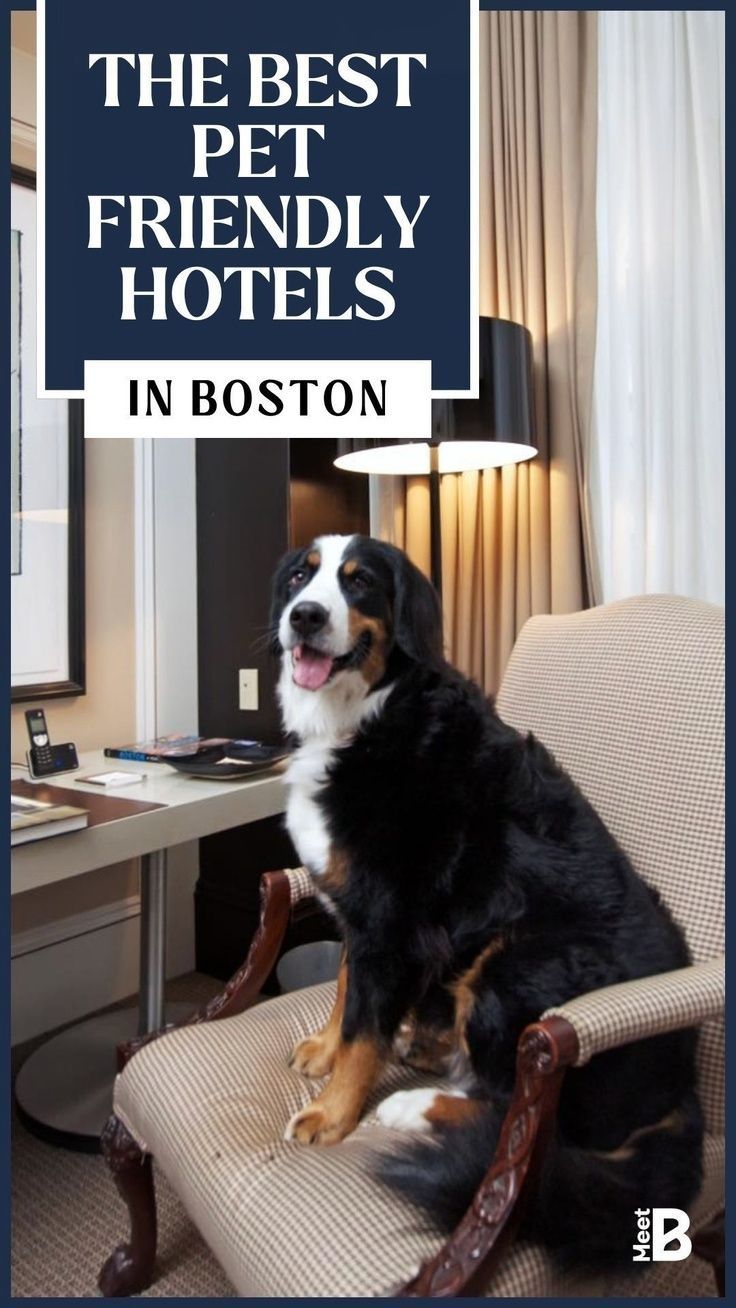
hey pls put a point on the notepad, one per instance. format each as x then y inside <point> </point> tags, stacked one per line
<point>112,778</point>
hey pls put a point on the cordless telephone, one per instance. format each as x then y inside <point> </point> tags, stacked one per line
<point>44,759</point>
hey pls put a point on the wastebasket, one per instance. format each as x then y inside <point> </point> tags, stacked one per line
<point>308,965</point>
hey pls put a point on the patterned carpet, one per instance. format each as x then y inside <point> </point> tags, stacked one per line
<point>67,1217</point>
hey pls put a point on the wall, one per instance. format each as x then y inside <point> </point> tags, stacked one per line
<point>242,531</point>
<point>107,712</point>
<point>322,497</point>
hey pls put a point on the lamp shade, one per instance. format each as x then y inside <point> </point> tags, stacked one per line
<point>495,429</point>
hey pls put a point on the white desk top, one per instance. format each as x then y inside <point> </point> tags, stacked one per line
<point>194,808</point>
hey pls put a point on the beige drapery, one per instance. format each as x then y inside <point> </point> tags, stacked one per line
<point>512,539</point>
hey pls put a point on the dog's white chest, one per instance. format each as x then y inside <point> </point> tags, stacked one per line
<point>307,773</point>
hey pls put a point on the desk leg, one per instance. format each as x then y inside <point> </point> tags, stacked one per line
<point>153,942</point>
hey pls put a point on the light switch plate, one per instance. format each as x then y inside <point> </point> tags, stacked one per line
<point>248,688</point>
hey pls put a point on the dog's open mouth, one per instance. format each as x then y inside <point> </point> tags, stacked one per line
<point>313,668</point>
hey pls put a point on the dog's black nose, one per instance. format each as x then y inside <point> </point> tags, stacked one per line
<point>307,619</point>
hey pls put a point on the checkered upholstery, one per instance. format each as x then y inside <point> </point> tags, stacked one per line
<point>616,1015</point>
<point>284,1220</point>
<point>300,884</point>
<point>629,698</point>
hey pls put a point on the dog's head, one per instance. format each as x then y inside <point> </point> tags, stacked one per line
<point>349,608</point>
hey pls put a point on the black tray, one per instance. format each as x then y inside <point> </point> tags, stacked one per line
<point>229,762</point>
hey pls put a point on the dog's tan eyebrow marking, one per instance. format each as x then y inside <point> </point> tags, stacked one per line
<point>314,558</point>
<point>350,567</point>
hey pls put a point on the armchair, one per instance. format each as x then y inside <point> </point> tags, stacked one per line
<point>629,698</point>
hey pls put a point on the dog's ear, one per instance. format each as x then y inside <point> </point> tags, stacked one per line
<point>417,612</point>
<point>279,594</point>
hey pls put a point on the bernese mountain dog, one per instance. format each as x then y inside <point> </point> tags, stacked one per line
<point>474,887</point>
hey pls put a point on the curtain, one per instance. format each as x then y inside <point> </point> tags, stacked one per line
<point>512,539</point>
<point>657,465</point>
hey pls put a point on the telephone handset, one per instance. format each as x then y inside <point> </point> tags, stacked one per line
<point>44,759</point>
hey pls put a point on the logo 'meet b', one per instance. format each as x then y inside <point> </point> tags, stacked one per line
<point>655,1243</point>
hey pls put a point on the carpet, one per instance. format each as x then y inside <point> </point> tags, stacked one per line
<point>67,1216</point>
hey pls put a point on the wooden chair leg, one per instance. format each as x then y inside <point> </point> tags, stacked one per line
<point>129,1269</point>
<point>710,1244</point>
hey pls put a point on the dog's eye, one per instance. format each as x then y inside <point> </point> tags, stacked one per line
<point>361,579</point>
<point>297,577</point>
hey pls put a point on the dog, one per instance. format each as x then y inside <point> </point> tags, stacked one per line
<point>474,887</point>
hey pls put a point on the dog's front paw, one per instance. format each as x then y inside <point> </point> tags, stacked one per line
<point>317,1125</point>
<point>314,1056</point>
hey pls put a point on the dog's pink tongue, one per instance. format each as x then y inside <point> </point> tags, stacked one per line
<point>311,669</point>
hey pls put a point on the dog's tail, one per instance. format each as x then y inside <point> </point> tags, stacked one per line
<point>584,1206</point>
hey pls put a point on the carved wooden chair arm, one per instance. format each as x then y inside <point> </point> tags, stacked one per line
<point>283,895</point>
<point>468,1259</point>
<point>565,1037</point>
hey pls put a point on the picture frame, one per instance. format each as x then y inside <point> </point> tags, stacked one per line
<point>46,495</point>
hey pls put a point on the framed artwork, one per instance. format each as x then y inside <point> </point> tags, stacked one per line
<point>46,493</point>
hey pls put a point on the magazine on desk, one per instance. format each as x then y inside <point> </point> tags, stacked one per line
<point>34,819</point>
<point>162,748</point>
<point>198,753</point>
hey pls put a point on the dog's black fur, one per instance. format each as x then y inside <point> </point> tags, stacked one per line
<point>457,830</point>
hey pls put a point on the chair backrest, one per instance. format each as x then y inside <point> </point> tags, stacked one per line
<point>629,697</point>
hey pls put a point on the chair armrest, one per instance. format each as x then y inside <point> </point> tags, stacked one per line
<point>620,1014</point>
<point>566,1036</point>
<point>281,892</point>
<point>465,1263</point>
<point>301,886</point>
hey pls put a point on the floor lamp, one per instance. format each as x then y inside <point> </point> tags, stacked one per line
<point>467,435</point>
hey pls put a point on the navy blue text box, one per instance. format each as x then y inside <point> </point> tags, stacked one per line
<point>373,152</point>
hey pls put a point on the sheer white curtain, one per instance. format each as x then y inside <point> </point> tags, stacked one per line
<point>656,461</point>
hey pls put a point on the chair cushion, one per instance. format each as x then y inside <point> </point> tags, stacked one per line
<point>211,1103</point>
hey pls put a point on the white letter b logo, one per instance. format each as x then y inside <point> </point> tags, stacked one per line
<point>661,1239</point>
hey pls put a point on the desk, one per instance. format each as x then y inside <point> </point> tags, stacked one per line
<point>67,1083</point>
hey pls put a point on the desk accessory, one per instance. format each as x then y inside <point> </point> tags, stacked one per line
<point>43,758</point>
<point>232,760</point>
<point>112,779</point>
<point>34,819</point>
